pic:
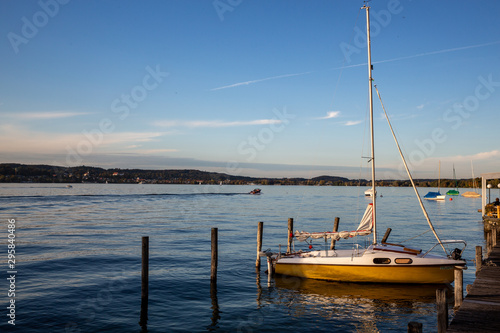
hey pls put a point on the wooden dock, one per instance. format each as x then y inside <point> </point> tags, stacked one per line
<point>480,310</point>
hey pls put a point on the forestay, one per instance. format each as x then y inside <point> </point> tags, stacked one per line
<point>365,228</point>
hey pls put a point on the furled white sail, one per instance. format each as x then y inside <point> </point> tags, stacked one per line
<point>365,228</point>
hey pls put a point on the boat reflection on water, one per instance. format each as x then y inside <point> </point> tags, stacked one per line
<point>368,307</point>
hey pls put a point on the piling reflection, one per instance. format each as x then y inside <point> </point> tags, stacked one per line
<point>215,307</point>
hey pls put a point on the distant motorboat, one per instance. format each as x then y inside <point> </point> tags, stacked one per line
<point>255,191</point>
<point>69,186</point>
<point>369,192</point>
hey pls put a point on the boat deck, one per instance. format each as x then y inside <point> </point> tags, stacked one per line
<point>480,311</point>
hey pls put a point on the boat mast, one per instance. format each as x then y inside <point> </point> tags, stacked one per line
<point>439,179</point>
<point>371,121</point>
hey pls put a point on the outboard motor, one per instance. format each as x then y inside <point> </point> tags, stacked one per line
<point>456,254</point>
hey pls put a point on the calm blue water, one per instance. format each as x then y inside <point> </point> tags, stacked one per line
<point>78,258</point>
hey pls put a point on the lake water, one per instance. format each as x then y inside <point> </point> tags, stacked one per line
<point>78,258</point>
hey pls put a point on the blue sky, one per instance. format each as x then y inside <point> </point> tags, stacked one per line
<point>258,88</point>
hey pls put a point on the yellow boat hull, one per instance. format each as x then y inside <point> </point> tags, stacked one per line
<point>373,274</point>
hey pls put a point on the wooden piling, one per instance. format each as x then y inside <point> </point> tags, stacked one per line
<point>260,228</point>
<point>479,258</point>
<point>442,310</point>
<point>459,286</point>
<point>270,270</point>
<point>335,229</point>
<point>488,243</point>
<point>144,282</point>
<point>213,266</point>
<point>414,327</point>
<point>290,236</point>
<point>493,235</point>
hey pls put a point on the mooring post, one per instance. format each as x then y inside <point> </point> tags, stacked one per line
<point>493,236</point>
<point>442,310</point>
<point>290,236</point>
<point>270,270</point>
<point>335,229</point>
<point>414,327</point>
<point>144,282</point>
<point>488,242</point>
<point>259,244</point>
<point>459,286</point>
<point>479,258</point>
<point>213,266</point>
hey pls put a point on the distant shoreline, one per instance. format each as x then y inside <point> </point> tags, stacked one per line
<point>26,173</point>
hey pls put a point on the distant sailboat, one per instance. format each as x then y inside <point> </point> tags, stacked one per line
<point>470,194</point>
<point>436,195</point>
<point>455,191</point>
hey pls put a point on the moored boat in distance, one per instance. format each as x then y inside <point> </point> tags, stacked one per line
<point>470,194</point>
<point>255,191</point>
<point>434,196</point>
<point>455,191</point>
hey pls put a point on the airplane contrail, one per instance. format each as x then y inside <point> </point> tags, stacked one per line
<point>259,80</point>
<point>357,65</point>
<point>422,54</point>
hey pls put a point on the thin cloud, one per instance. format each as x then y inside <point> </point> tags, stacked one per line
<point>330,115</point>
<point>246,83</point>
<point>46,115</point>
<point>475,157</point>
<point>28,141</point>
<point>215,123</point>
<point>353,122</point>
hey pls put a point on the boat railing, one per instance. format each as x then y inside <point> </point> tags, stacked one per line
<point>456,253</point>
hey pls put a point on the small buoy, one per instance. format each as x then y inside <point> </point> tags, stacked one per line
<point>451,199</point>
<point>310,247</point>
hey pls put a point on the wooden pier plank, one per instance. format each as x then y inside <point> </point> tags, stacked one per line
<point>480,310</point>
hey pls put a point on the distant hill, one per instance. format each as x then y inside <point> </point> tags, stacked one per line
<point>332,179</point>
<point>22,173</point>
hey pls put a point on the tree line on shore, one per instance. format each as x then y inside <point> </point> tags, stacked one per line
<point>22,173</point>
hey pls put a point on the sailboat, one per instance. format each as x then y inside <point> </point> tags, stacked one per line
<point>436,195</point>
<point>379,262</point>
<point>455,191</point>
<point>471,194</point>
